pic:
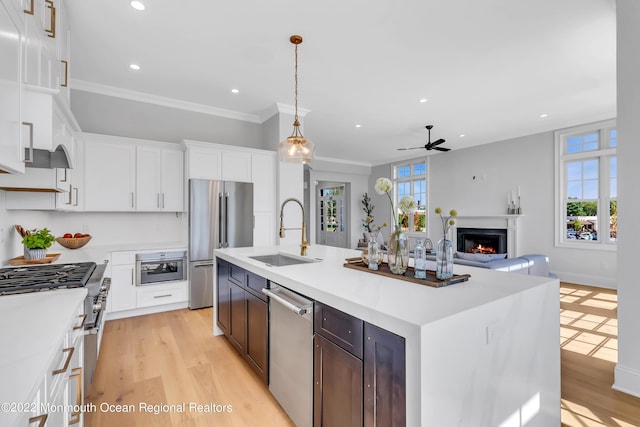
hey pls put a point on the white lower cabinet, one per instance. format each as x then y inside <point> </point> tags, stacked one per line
<point>160,294</point>
<point>123,283</point>
<point>61,390</point>
<point>127,299</point>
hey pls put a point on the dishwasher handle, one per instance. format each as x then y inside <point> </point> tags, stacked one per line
<point>301,311</point>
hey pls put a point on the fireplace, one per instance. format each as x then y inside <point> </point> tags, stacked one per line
<point>482,240</point>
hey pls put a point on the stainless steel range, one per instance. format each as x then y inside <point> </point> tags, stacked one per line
<point>24,279</point>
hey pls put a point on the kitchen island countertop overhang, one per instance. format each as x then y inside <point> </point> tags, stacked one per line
<point>479,351</point>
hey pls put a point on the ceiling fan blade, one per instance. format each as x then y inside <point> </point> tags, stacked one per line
<point>441,149</point>
<point>411,148</point>
<point>437,142</point>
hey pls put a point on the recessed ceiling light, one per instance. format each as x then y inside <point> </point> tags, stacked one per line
<point>462,135</point>
<point>542,116</point>
<point>358,126</point>
<point>134,67</point>
<point>235,91</point>
<point>423,100</point>
<point>137,5</point>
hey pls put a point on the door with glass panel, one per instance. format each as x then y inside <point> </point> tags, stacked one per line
<point>332,206</point>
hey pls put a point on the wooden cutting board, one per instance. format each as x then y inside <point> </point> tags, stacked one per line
<point>21,261</point>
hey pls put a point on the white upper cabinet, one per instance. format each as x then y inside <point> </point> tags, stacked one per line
<point>217,162</point>
<point>159,179</point>
<point>110,175</point>
<point>11,155</point>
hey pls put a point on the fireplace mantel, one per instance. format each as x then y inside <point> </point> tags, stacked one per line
<point>509,222</point>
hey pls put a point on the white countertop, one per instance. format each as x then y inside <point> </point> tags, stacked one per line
<point>33,326</point>
<point>97,253</point>
<point>389,303</point>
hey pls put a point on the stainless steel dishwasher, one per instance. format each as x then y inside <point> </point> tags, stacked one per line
<point>291,353</point>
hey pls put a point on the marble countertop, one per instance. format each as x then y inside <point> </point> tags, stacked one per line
<point>34,325</point>
<point>395,305</point>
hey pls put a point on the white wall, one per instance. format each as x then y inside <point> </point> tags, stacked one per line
<point>627,372</point>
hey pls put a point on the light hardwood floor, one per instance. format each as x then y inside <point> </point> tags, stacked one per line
<point>589,352</point>
<point>172,358</point>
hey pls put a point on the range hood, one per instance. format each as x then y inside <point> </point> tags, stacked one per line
<point>46,159</point>
<point>41,173</point>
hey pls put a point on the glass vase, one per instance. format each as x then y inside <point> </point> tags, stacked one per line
<point>398,252</point>
<point>444,259</point>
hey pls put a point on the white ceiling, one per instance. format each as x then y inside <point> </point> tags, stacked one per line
<point>489,69</point>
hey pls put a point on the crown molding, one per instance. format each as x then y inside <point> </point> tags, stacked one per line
<point>280,108</point>
<point>132,95</point>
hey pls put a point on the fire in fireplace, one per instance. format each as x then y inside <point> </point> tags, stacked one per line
<point>482,240</point>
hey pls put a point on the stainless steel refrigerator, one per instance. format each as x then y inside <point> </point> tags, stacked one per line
<point>220,216</point>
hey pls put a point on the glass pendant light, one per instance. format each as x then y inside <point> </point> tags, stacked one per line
<point>296,148</point>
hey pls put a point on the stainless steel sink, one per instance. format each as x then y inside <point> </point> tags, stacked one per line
<point>281,259</point>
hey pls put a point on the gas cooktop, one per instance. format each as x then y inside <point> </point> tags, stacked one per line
<point>16,280</point>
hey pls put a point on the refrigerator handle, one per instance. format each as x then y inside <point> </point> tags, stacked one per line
<point>226,220</point>
<point>220,221</point>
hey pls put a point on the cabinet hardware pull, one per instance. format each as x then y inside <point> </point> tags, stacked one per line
<point>158,200</point>
<point>66,73</point>
<point>162,200</point>
<point>30,149</point>
<point>65,176</point>
<point>64,368</point>
<point>162,296</point>
<point>70,195</point>
<point>132,200</point>
<point>81,325</point>
<point>29,12</point>
<point>75,190</point>
<point>77,373</point>
<point>51,32</point>
<point>41,419</point>
<point>131,277</point>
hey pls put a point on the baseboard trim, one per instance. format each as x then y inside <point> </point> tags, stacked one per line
<point>627,380</point>
<point>145,310</point>
<point>587,280</point>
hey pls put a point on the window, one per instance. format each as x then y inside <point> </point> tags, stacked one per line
<point>586,183</point>
<point>411,179</point>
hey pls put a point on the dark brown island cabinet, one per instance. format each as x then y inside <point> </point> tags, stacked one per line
<point>359,372</point>
<point>243,314</point>
<point>359,369</point>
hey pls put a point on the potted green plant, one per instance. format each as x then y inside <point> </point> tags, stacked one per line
<point>36,242</point>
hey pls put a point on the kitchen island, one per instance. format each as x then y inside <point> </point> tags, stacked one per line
<point>479,353</point>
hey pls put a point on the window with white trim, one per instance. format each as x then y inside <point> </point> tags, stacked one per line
<point>411,179</point>
<point>586,186</point>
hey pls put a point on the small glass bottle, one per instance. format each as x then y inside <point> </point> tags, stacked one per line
<point>373,252</point>
<point>420,261</point>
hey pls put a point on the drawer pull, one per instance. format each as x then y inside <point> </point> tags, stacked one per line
<point>51,32</point>
<point>29,12</point>
<point>66,73</point>
<point>77,374</point>
<point>81,325</point>
<point>40,419</point>
<point>162,296</point>
<point>64,368</point>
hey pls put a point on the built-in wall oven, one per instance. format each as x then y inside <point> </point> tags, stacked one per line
<point>158,267</point>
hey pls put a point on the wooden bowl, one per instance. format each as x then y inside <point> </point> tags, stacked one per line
<point>73,242</point>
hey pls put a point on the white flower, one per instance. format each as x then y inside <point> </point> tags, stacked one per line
<point>383,185</point>
<point>407,204</point>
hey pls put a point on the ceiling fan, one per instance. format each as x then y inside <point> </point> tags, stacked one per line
<point>429,145</point>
